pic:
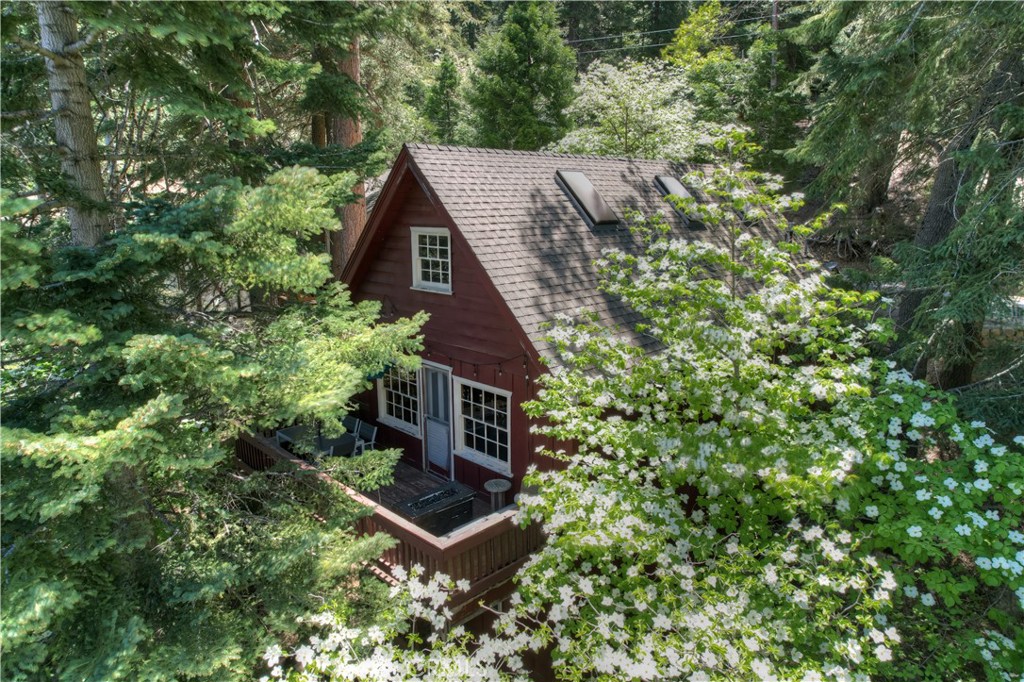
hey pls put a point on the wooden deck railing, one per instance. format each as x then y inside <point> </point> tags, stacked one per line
<point>486,551</point>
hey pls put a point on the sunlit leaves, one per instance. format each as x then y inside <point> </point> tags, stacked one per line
<point>129,370</point>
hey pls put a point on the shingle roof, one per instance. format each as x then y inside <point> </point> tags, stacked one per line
<point>533,244</point>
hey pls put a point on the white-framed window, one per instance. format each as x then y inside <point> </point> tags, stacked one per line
<point>432,259</point>
<point>398,400</point>
<point>482,424</point>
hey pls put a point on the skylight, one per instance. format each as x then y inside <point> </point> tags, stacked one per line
<point>670,185</point>
<point>591,205</point>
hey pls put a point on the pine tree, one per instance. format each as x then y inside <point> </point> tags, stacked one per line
<point>600,30</point>
<point>524,82</point>
<point>133,547</point>
<point>443,106</point>
<point>739,82</point>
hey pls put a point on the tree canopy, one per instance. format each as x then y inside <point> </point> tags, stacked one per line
<point>524,80</point>
<point>152,326</point>
<point>939,91</point>
<point>131,547</point>
<point>638,109</point>
<point>444,106</point>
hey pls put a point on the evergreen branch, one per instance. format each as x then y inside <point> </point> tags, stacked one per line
<point>79,45</point>
<point>913,20</point>
<point>28,114</point>
<point>989,379</point>
<point>42,51</point>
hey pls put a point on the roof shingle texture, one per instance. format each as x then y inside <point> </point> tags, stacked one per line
<point>534,245</point>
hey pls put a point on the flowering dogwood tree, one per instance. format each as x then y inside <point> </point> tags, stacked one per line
<point>637,109</point>
<point>756,498</point>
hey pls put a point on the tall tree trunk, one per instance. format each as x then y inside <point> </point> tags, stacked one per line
<point>941,218</point>
<point>73,125</point>
<point>875,176</point>
<point>347,131</point>
<point>318,130</point>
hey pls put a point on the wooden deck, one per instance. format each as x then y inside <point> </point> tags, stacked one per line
<point>411,482</point>
<point>487,551</point>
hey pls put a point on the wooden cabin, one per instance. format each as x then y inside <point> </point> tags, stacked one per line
<point>493,244</point>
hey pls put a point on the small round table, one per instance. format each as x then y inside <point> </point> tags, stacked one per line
<point>497,487</point>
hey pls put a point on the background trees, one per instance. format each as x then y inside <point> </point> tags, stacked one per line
<point>742,72</point>
<point>638,109</point>
<point>524,80</point>
<point>164,287</point>
<point>444,106</point>
<point>939,94</point>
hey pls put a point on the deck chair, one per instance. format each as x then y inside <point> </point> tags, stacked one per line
<point>351,424</point>
<point>366,437</point>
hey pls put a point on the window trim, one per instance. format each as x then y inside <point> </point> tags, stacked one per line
<point>461,449</point>
<point>417,283</point>
<point>394,422</point>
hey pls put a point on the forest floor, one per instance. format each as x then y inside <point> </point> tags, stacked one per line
<point>851,240</point>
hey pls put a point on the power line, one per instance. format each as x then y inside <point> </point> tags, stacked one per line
<point>620,35</point>
<point>663,30</point>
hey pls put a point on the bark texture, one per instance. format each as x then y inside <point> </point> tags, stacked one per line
<point>319,130</point>
<point>876,176</point>
<point>74,129</point>
<point>345,130</point>
<point>348,132</point>
<point>941,216</point>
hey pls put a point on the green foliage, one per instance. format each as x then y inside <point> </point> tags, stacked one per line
<point>394,46</point>
<point>714,69</point>
<point>935,89</point>
<point>443,106</point>
<point>621,29</point>
<point>754,91</point>
<point>771,103</point>
<point>524,80</point>
<point>637,109</point>
<point>132,545</point>
<point>238,81</point>
<point>863,73</point>
<point>692,43</point>
<point>887,69</point>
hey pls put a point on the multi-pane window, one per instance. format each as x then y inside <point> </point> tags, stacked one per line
<point>399,399</point>
<point>431,259</point>
<point>484,422</point>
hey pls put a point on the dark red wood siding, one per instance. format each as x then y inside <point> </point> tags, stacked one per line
<point>471,330</point>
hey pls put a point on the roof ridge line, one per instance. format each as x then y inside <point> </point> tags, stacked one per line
<point>430,146</point>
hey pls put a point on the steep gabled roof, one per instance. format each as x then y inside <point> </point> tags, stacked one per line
<point>530,239</point>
